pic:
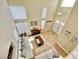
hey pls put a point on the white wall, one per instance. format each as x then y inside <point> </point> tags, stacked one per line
<point>71,26</point>
<point>6,28</point>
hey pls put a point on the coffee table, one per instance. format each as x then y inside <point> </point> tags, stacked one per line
<point>39,40</point>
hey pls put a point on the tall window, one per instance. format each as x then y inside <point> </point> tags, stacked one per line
<point>44,13</point>
<point>18,12</point>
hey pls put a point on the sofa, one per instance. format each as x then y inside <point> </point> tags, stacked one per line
<point>46,51</point>
<point>49,54</point>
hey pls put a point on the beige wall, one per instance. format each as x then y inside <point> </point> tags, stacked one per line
<point>65,14</point>
<point>34,9</point>
<point>6,29</point>
<point>71,25</point>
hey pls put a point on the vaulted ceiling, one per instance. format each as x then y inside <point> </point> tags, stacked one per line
<point>34,7</point>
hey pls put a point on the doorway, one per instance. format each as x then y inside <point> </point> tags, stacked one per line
<point>10,52</point>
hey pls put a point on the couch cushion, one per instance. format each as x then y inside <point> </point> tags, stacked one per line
<point>42,48</point>
<point>46,55</point>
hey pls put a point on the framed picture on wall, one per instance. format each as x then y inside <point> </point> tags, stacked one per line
<point>34,23</point>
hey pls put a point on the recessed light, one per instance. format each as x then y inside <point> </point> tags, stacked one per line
<point>59,13</point>
<point>67,3</point>
<point>57,21</point>
<point>62,24</point>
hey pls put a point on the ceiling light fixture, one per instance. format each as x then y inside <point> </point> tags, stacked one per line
<point>67,3</point>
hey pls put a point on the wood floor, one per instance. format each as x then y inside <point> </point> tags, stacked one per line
<point>49,37</point>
